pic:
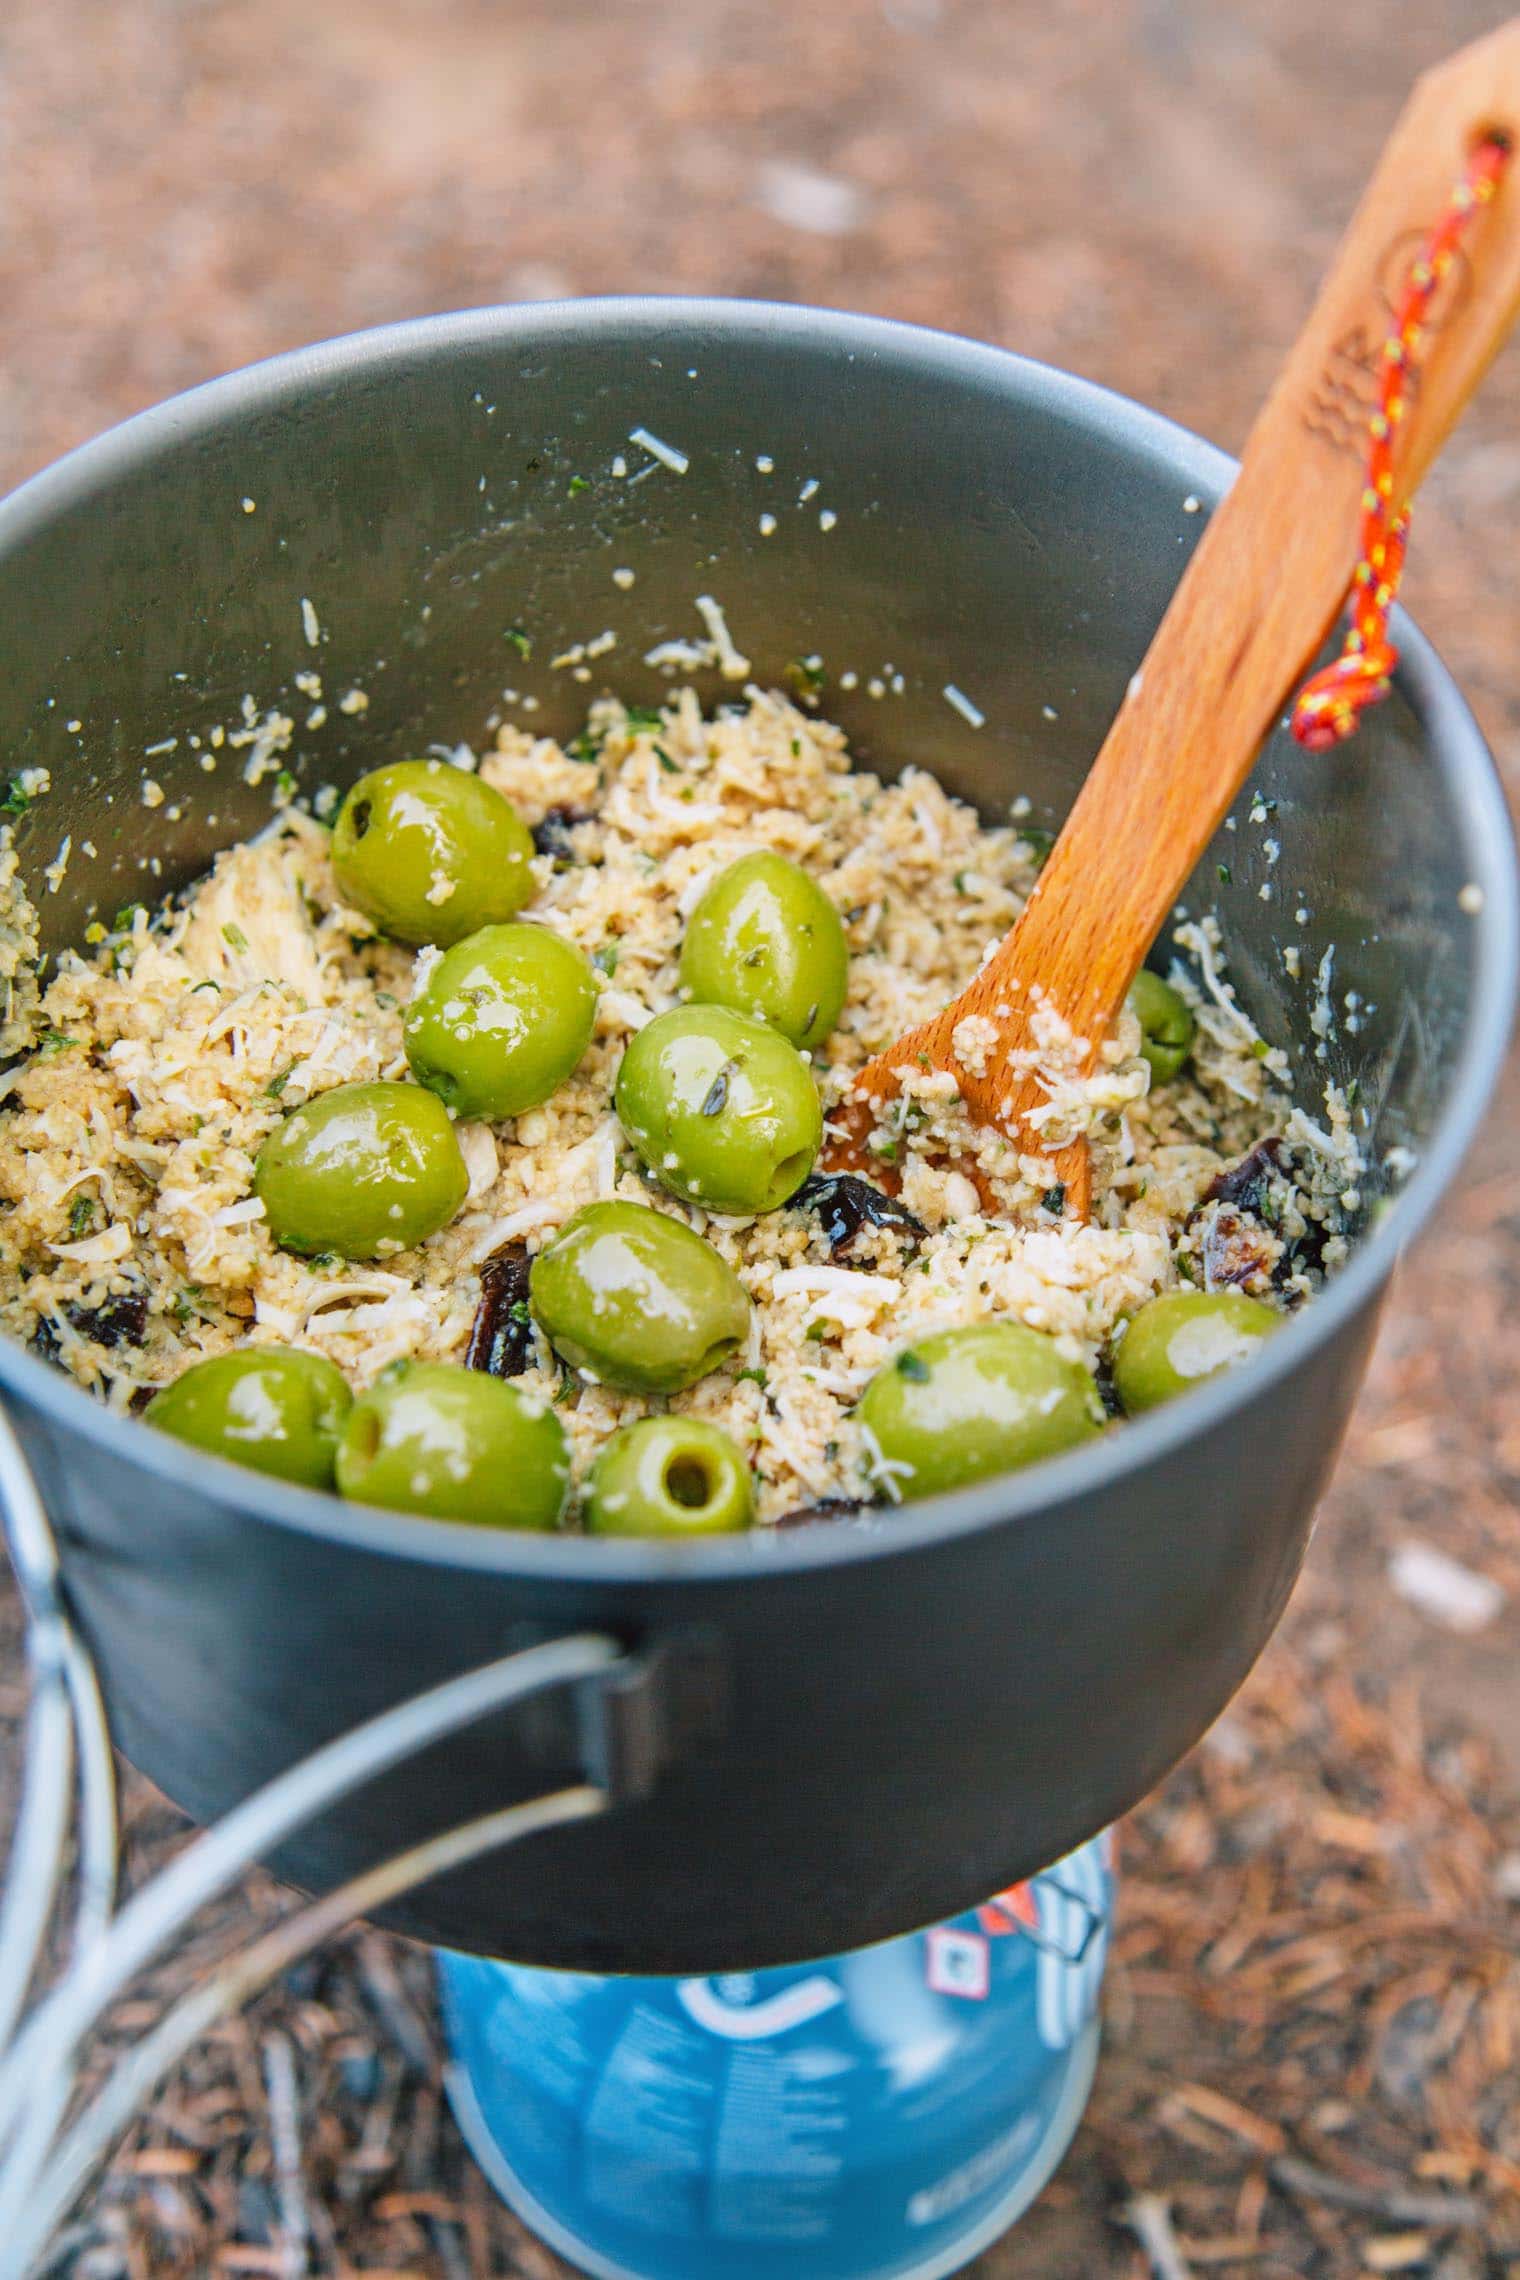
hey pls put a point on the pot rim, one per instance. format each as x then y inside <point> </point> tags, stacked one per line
<point>1097,1468</point>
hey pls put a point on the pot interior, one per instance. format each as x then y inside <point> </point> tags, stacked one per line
<point>394,542</point>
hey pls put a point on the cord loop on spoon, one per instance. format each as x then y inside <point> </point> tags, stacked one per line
<point>1330,705</point>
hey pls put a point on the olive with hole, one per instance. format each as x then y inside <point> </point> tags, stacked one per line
<point>430,853</point>
<point>269,1407</point>
<point>501,1020</point>
<point>364,1170</point>
<point>963,1405</point>
<point>1166,1024</point>
<point>634,1299</point>
<point>454,1444</point>
<point>1184,1337</point>
<point>721,1108</point>
<point>765,940</point>
<point>669,1476</point>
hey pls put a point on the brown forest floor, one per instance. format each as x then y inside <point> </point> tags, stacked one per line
<point>1314,2018</point>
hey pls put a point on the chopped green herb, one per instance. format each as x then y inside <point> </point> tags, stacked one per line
<point>644,716</point>
<point>830,1451</point>
<point>578,483</point>
<point>605,960</point>
<point>1225,874</point>
<point>1054,1199</point>
<point>796,747</point>
<point>886,1149</point>
<point>197,987</point>
<point>187,1303</point>
<point>123,921</point>
<point>16,801</point>
<point>1185,1268</point>
<point>285,785</point>
<point>923,1060</point>
<point>566,1388</point>
<point>755,1377</point>
<point>519,640</point>
<point>671,767</point>
<point>81,1216</point>
<point>234,937</point>
<point>913,1367</point>
<point>585,749</point>
<point>1260,1048</point>
<point>820,1329</point>
<point>276,1085</point>
<point>715,1100</point>
<point>806,676</point>
<point>961,887</point>
<point>50,1041</point>
<point>1039,842</point>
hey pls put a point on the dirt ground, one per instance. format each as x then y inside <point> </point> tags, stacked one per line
<point>1314,2016</point>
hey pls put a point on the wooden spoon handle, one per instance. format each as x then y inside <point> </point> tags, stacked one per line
<point>1258,597</point>
<point>1275,563</point>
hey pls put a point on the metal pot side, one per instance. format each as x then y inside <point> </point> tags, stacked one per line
<point>865,1728</point>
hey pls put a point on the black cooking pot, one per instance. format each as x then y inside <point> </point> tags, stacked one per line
<point>842,1732</point>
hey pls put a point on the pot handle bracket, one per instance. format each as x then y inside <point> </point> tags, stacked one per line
<point>638,1711</point>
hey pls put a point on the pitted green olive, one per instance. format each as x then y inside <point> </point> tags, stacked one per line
<point>962,1405</point>
<point>363,1170</point>
<point>1183,1337</point>
<point>430,853</point>
<point>455,1445</point>
<point>765,940</point>
<point>501,1020</point>
<point>635,1299</point>
<point>669,1476</point>
<point>721,1108</point>
<point>1166,1024</point>
<point>268,1407</point>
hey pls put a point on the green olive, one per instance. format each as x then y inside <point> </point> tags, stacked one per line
<point>961,1405</point>
<point>1183,1337</point>
<point>363,1170</point>
<point>721,1108</point>
<point>669,1476</point>
<point>501,1020</point>
<point>268,1407</point>
<point>429,852</point>
<point>1166,1024</point>
<point>766,940</point>
<point>456,1445</point>
<point>634,1299</point>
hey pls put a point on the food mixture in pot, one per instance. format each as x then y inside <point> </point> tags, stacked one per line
<point>462,1152</point>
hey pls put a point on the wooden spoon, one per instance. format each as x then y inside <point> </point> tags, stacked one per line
<point>1253,606</point>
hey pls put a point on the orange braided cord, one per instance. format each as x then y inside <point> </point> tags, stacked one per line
<point>1330,705</point>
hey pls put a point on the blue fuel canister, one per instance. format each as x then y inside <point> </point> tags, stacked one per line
<point>881,2116</point>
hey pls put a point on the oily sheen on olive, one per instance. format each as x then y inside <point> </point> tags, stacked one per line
<point>635,1299</point>
<point>669,1476</point>
<point>721,1108</point>
<point>1183,1338</point>
<point>501,1020</point>
<point>963,1405</point>
<point>430,853</point>
<point>268,1407</point>
<point>765,940</point>
<point>454,1444</point>
<point>364,1170</point>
